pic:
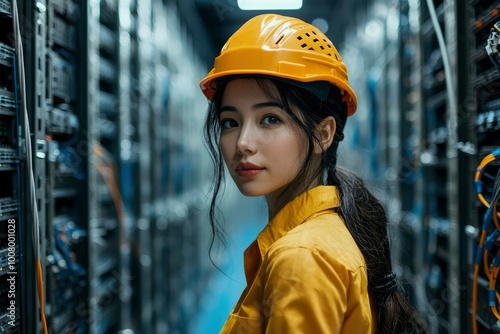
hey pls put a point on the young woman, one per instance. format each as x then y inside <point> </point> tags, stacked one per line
<point>279,99</point>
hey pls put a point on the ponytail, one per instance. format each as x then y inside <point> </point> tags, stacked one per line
<point>366,220</point>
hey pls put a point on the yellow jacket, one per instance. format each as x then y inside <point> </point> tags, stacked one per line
<point>305,274</point>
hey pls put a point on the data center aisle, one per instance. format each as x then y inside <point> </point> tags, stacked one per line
<point>245,218</point>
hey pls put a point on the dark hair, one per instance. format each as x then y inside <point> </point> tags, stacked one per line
<point>362,213</point>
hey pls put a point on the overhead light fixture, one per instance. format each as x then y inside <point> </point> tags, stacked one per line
<point>269,4</point>
<point>321,24</point>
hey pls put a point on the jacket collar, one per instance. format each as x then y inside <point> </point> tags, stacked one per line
<point>296,212</point>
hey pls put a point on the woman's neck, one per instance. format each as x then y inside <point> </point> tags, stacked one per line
<point>277,200</point>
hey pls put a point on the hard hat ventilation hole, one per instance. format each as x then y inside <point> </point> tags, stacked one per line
<point>321,45</point>
<point>279,39</point>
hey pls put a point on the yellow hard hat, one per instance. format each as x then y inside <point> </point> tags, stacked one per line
<point>284,47</point>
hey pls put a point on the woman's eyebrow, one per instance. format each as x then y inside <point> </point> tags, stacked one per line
<point>268,104</point>
<point>255,106</point>
<point>227,108</point>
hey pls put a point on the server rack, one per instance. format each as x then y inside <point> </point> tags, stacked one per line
<point>128,158</point>
<point>437,161</point>
<point>12,210</point>
<point>481,103</point>
<point>182,198</point>
<point>393,121</point>
<point>445,146</point>
<point>423,150</point>
<point>429,224</point>
<point>409,258</point>
<point>105,205</point>
<point>63,115</point>
<point>96,99</point>
<point>159,160</point>
<point>141,119</point>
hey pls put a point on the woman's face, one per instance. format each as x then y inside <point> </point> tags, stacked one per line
<point>262,146</point>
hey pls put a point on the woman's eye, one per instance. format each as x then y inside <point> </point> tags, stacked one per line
<point>271,120</point>
<point>228,123</point>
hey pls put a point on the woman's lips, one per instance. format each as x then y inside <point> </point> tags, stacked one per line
<point>247,169</point>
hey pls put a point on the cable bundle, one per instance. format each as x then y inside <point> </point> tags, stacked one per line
<point>489,237</point>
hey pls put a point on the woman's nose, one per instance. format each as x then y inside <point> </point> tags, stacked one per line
<point>247,140</point>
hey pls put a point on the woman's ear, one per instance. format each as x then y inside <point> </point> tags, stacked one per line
<point>326,132</point>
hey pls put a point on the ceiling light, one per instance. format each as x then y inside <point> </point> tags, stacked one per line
<point>321,24</point>
<point>269,4</point>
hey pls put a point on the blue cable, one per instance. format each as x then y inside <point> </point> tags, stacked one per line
<point>491,239</point>
<point>479,255</point>
<point>492,292</point>
<point>75,268</point>
<point>68,155</point>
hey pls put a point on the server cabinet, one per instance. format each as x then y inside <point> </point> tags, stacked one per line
<point>12,169</point>
<point>111,193</point>
<point>480,106</point>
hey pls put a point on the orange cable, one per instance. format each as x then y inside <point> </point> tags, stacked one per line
<point>482,239</point>
<point>493,280</point>
<point>474,299</point>
<point>479,172</point>
<point>111,183</point>
<point>113,187</point>
<point>39,279</point>
<point>493,273</point>
<point>486,265</point>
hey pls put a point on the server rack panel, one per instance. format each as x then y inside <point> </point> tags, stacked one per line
<point>8,140</point>
<point>137,264</point>
<point>428,169</point>
<point>105,209</point>
<point>108,103</point>
<point>126,156</point>
<point>62,122</point>
<point>62,78</point>
<point>68,277</point>
<point>488,122</point>
<point>68,9</point>
<point>5,7</point>
<point>12,290</point>
<point>61,34</point>
<point>485,87</point>
<point>7,102</point>
<point>144,111</point>
<point>6,55</point>
<point>9,204</point>
<point>65,173</point>
<point>436,165</point>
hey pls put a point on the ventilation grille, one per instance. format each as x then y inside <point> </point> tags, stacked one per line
<point>313,41</point>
